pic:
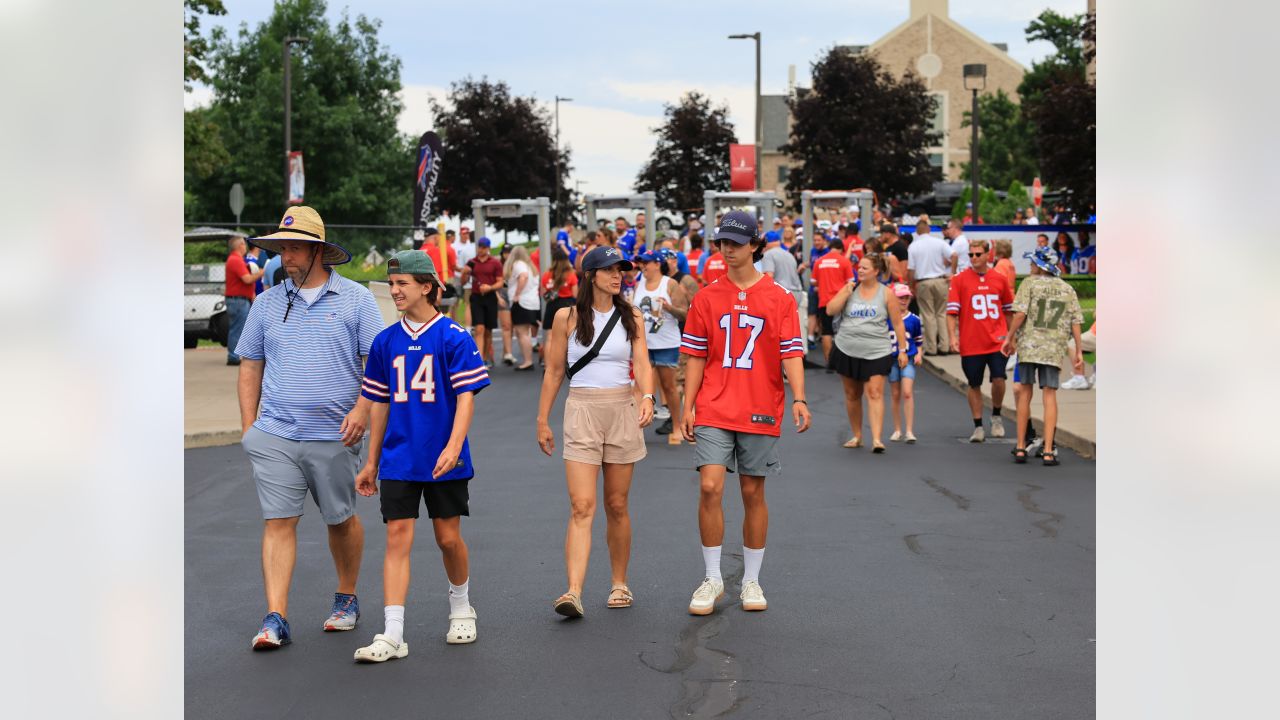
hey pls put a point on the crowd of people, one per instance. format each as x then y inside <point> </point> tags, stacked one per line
<point>700,334</point>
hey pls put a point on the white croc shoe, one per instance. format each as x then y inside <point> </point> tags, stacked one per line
<point>462,627</point>
<point>705,597</point>
<point>382,649</point>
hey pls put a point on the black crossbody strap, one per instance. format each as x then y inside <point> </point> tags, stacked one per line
<point>599,343</point>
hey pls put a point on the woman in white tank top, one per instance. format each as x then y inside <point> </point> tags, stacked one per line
<point>662,302</point>
<point>603,428</point>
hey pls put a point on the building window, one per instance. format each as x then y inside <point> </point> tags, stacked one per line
<point>935,160</point>
<point>783,173</point>
<point>938,122</point>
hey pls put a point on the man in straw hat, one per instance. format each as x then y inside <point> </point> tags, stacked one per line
<point>300,371</point>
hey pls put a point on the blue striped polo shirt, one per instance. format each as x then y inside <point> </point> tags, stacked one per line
<point>313,363</point>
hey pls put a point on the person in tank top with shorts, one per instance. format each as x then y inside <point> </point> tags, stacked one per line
<point>863,348</point>
<point>598,343</point>
<point>661,300</point>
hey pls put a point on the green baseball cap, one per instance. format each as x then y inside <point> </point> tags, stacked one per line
<point>411,262</point>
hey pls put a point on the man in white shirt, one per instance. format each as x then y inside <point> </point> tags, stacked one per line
<point>929,274</point>
<point>466,250</point>
<point>954,233</point>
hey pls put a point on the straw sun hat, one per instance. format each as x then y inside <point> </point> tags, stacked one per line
<point>302,224</point>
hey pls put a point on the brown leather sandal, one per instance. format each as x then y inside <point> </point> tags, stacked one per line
<point>619,597</point>
<point>569,605</point>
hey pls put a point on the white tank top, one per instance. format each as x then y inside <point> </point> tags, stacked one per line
<point>667,335</point>
<point>612,367</point>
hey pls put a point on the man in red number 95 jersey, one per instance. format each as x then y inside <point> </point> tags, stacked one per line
<point>741,332</point>
<point>980,302</point>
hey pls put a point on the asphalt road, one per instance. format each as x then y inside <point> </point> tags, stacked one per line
<point>937,580</point>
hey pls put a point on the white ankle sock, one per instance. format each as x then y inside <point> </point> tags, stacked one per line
<point>394,615</point>
<point>458,599</point>
<point>751,559</point>
<point>711,558</point>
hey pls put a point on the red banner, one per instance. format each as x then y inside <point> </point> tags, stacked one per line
<point>742,167</point>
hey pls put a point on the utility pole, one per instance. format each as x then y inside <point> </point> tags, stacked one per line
<point>559,100</point>
<point>759,109</point>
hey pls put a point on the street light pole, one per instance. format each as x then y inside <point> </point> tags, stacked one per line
<point>557,158</point>
<point>288,110</point>
<point>975,79</point>
<point>759,109</point>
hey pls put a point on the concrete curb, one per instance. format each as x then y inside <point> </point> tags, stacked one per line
<point>1085,447</point>
<point>211,439</point>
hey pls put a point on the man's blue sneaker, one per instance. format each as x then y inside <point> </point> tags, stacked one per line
<point>274,633</point>
<point>346,610</point>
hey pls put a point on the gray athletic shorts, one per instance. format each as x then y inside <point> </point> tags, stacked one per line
<point>1048,374</point>
<point>741,452</point>
<point>285,470</point>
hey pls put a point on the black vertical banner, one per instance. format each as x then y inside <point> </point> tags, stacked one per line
<point>428,173</point>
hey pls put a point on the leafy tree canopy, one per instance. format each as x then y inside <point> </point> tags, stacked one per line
<point>196,45</point>
<point>1007,150</point>
<point>495,145</point>
<point>691,155</point>
<point>861,127</point>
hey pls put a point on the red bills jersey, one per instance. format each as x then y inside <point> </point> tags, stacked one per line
<point>715,269</point>
<point>982,303</point>
<point>745,335</point>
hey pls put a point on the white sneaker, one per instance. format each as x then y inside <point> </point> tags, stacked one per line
<point>753,597</point>
<point>508,359</point>
<point>896,436</point>
<point>1077,382</point>
<point>911,438</point>
<point>705,597</point>
<point>978,435</point>
<point>997,427</point>
<point>1034,447</point>
<point>662,413</point>
<point>1093,379</point>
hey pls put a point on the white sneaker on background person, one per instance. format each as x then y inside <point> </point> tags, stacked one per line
<point>997,427</point>
<point>662,412</point>
<point>1077,382</point>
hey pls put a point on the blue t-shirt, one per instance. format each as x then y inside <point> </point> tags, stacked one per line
<point>269,271</point>
<point>627,243</point>
<point>915,334</point>
<point>255,264</point>
<point>421,376</point>
<point>682,263</point>
<point>1082,260</point>
<point>815,253</point>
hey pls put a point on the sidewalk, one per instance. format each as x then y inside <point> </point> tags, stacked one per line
<point>1077,418</point>
<point>211,409</point>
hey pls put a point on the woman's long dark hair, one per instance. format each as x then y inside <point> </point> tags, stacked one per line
<point>585,329</point>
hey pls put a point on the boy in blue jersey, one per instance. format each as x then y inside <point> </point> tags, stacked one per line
<point>902,381</point>
<point>422,376</point>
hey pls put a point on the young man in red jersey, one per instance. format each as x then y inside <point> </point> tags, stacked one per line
<point>740,334</point>
<point>979,304</point>
<point>830,273</point>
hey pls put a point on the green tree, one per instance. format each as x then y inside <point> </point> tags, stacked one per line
<point>861,127</point>
<point>495,145</point>
<point>1007,150</point>
<point>204,154</point>
<point>345,105</point>
<point>196,46</point>
<point>691,154</point>
<point>1066,33</point>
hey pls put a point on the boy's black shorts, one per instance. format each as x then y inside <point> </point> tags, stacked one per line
<point>444,499</point>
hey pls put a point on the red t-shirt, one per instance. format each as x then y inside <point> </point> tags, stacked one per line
<point>745,335</point>
<point>432,249</point>
<point>693,256</point>
<point>831,272</point>
<point>484,272</point>
<point>236,269</point>
<point>567,290</point>
<point>715,269</point>
<point>981,303</point>
<point>853,248</point>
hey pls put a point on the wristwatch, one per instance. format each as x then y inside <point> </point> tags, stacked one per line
<point>651,397</point>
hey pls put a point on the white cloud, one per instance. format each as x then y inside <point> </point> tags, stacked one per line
<point>741,99</point>
<point>200,96</point>
<point>416,118</point>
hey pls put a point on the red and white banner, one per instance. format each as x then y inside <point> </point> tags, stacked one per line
<point>297,178</point>
<point>742,167</point>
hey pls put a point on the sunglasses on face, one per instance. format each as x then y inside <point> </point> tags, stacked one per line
<point>977,254</point>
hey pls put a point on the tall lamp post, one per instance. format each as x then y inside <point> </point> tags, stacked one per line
<point>759,112</point>
<point>559,100</point>
<point>975,79</point>
<point>288,109</point>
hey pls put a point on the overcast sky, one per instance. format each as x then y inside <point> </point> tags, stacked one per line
<point>620,62</point>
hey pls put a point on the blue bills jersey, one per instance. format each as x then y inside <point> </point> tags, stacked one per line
<point>915,334</point>
<point>420,374</point>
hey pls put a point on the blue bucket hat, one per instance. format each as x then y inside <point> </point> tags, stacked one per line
<point>1047,260</point>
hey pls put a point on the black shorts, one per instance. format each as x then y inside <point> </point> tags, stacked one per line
<point>484,309</point>
<point>548,317</point>
<point>444,499</point>
<point>521,315</point>
<point>973,366</point>
<point>858,368</point>
<point>827,322</point>
<point>813,301</point>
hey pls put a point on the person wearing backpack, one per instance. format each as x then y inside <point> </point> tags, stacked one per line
<point>596,344</point>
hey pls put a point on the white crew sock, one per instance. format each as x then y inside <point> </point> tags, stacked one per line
<point>711,558</point>
<point>394,615</point>
<point>458,600</point>
<point>751,559</point>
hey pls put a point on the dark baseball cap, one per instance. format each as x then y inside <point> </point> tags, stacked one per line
<point>430,231</point>
<point>738,226</point>
<point>603,257</point>
<point>888,229</point>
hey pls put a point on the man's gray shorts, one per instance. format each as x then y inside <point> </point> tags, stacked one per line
<point>285,470</point>
<point>1048,374</point>
<point>741,452</point>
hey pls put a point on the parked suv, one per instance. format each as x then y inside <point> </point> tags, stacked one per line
<point>204,309</point>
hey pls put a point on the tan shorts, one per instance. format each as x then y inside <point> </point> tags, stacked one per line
<point>602,425</point>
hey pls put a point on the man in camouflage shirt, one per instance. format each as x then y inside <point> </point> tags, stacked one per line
<point>1046,313</point>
